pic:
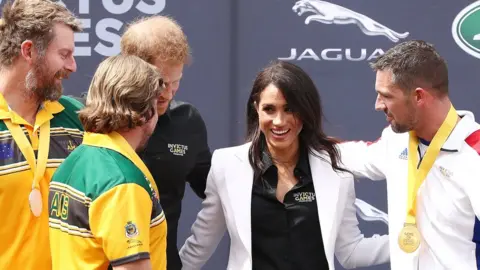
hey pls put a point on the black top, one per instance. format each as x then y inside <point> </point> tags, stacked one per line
<point>286,235</point>
<point>177,153</point>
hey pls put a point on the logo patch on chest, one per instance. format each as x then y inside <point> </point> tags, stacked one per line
<point>178,149</point>
<point>404,154</point>
<point>304,197</point>
<point>445,172</point>
<point>71,146</point>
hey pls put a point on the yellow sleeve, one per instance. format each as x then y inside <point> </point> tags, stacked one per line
<point>120,221</point>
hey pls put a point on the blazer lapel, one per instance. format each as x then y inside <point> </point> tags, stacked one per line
<point>326,183</point>
<point>239,186</point>
<point>239,182</point>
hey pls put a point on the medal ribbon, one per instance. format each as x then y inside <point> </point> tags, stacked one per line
<point>417,176</point>
<point>117,143</point>
<point>38,167</point>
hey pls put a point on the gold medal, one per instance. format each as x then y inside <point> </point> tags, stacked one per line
<point>35,200</point>
<point>409,238</point>
<point>37,168</point>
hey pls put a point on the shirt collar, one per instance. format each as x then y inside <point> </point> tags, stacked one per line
<point>103,140</point>
<point>302,164</point>
<point>461,131</point>
<point>46,111</point>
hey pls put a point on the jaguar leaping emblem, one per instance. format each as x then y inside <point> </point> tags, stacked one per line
<point>328,13</point>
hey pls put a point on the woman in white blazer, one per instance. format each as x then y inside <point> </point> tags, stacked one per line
<point>283,197</point>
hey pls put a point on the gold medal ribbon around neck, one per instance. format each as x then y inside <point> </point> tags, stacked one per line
<point>409,237</point>
<point>38,167</point>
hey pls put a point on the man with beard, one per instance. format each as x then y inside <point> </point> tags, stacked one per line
<point>104,204</point>
<point>178,151</point>
<point>429,154</point>
<point>39,127</point>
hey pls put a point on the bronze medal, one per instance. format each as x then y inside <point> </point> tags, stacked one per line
<point>35,200</point>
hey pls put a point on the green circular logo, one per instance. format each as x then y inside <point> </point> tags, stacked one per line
<point>466,29</point>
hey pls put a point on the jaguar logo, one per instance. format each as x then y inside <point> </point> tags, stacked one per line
<point>328,13</point>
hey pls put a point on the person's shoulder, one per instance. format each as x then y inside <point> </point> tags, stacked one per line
<point>126,171</point>
<point>68,116</point>
<point>176,104</point>
<point>185,110</point>
<point>186,117</point>
<point>73,160</point>
<point>473,142</point>
<point>223,154</point>
<point>72,103</point>
<point>389,136</point>
<point>104,169</point>
<point>388,132</point>
<point>472,138</point>
<point>229,158</point>
<point>466,162</point>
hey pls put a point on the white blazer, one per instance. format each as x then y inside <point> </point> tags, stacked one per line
<point>228,207</point>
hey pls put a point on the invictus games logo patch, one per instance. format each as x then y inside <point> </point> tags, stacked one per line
<point>466,29</point>
<point>131,230</point>
<point>178,149</point>
<point>304,197</point>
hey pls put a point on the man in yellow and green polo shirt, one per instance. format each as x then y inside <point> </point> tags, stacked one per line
<point>38,126</point>
<point>103,204</point>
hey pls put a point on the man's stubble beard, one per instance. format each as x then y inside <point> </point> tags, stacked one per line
<point>410,125</point>
<point>40,75</point>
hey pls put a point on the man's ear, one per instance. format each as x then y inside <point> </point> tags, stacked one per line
<point>421,96</point>
<point>27,50</point>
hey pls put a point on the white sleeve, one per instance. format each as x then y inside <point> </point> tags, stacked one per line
<point>209,227</point>
<point>352,249</point>
<point>365,159</point>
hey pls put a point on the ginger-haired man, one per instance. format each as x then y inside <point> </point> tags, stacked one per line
<point>178,151</point>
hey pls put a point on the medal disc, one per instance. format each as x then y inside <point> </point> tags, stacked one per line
<point>35,199</point>
<point>409,238</point>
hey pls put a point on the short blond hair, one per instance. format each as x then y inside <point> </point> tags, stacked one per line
<point>156,38</point>
<point>122,95</point>
<point>31,20</point>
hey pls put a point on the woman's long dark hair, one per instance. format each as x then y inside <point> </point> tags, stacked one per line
<point>303,99</point>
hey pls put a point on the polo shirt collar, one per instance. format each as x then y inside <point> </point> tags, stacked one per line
<point>45,112</point>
